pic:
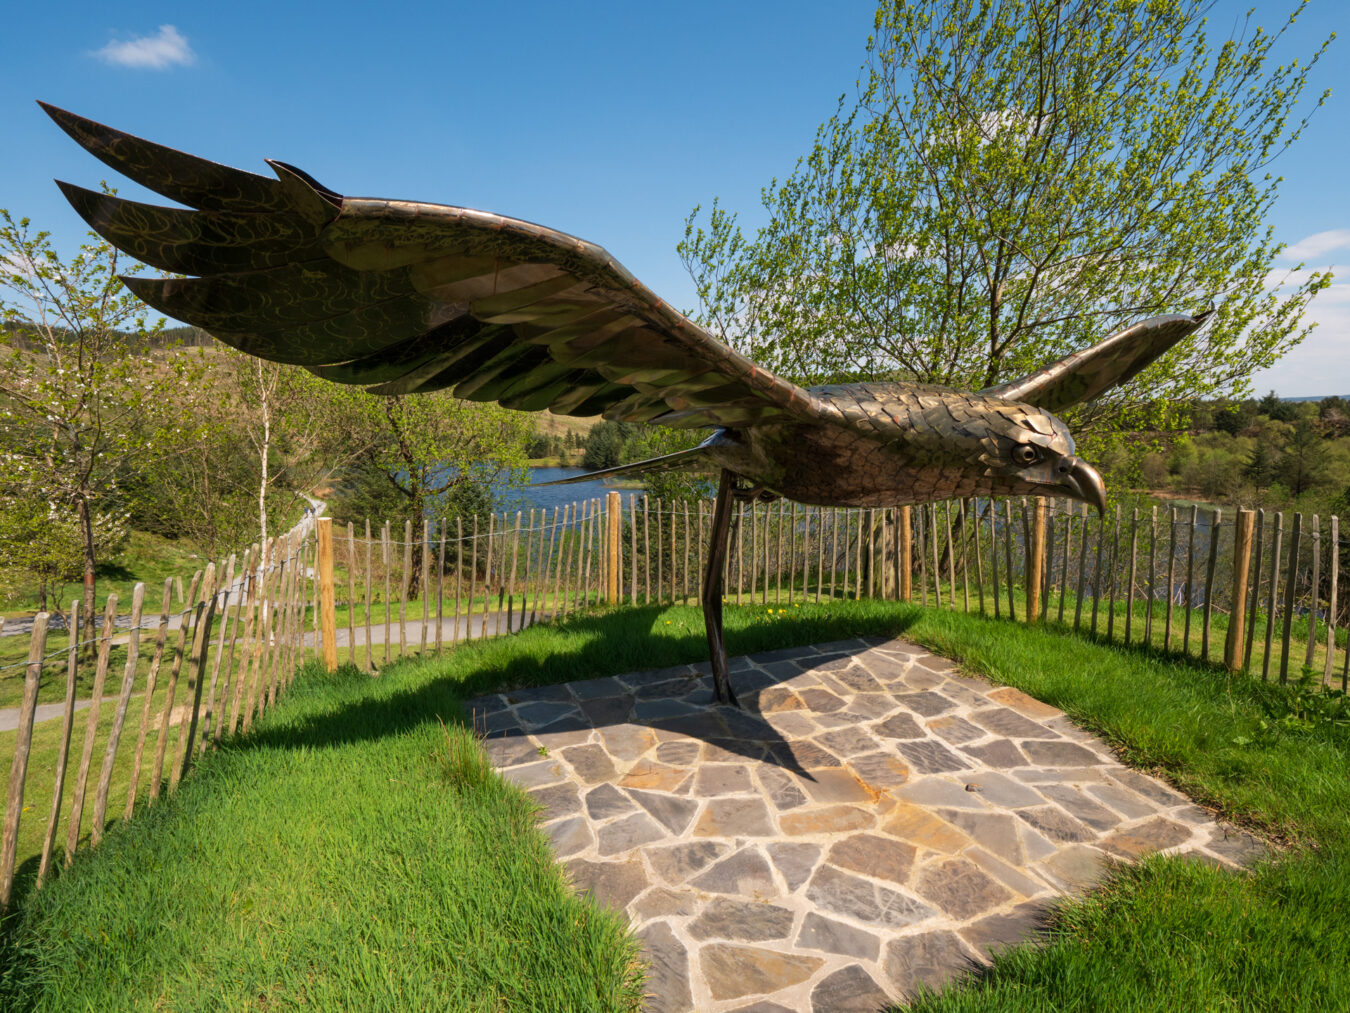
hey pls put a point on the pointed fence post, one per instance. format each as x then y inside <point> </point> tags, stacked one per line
<point>18,771</point>
<point>1233,652</point>
<point>1036,562</point>
<point>614,516</point>
<point>327,605</point>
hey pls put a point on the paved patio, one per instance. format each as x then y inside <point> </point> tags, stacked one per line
<point>871,821</point>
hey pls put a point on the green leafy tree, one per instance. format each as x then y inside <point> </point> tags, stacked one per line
<point>84,402</point>
<point>1015,180</point>
<point>428,456</point>
<point>1301,465</point>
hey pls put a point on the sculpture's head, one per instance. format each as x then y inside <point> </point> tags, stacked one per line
<point>1027,451</point>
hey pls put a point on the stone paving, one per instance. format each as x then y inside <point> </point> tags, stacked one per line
<point>871,820</point>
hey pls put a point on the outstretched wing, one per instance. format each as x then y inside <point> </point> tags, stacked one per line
<point>403,297</point>
<point>1084,375</point>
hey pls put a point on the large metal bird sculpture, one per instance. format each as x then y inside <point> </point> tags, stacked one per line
<point>402,297</point>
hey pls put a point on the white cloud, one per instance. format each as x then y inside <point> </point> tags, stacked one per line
<point>150,52</point>
<point>1318,245</point>
<point>1321,365</point>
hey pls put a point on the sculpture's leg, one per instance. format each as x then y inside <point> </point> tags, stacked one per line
<point>712,589</point>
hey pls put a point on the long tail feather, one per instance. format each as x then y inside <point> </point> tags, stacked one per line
<point>680,460</point>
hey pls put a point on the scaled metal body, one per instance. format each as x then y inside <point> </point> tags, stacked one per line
<point>403,297</point>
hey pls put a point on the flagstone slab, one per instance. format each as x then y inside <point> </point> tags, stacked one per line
<point>873,821</point>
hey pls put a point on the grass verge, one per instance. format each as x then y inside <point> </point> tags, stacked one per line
<point>348,855</point>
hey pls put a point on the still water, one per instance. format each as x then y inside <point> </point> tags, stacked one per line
<point>550,496</point>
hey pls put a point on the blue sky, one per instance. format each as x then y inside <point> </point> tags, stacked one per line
<point>608,120</point>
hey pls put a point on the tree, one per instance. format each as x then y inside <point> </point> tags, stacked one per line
<point>428,455</point>
<point>84,403</point>
<point>1015,180</point>
<point>1301,466</point>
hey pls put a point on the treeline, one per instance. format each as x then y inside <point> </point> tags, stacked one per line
<point>1267,452</point>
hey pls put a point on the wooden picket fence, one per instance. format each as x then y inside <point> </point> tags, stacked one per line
<point>368,594</point>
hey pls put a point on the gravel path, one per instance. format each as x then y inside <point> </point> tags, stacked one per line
<point>872,820</point>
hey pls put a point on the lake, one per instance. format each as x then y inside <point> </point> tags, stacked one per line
<point>550,496</point>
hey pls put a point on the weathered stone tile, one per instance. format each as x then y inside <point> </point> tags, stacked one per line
<point>820,701</point>
<point>887,669</point>
<point>956,730</point>
<point>535,775</point>
<point>1128,803</point>
<point>1000,790</point>
<point>880,771</point>
<point>1098,817</point>
<point>613,884</point>
<point>654,776</point>
<point>1023,704</point>
<point>1153,835</point>
<point>1035,846</point>
<point>1193,814</point>
<point>781,671</point>
<point>679,753</point>
<point>875,856</point>
<point>927,703</point>
<point>734,817</point>
<point>721,779</point>
<point>750,680</point>
<point>1237,846</point>
<point>1012,878</point>
<point>650,711</point>
<point>537,715</point>
<point>1006,722</point>
<point>557,693</point>
<point>557,800</point>
<point>920,827</point>
<point>607,710</point>
<point>934,664</point>
<point>677,862</point>
<point>1000,753</point>
<point>856,679</point>
<point>741,921</point>
<point>704,724</point>
<point>928,756</point>
<point>794,861</point>
<point>605,801</point>
<point>780,787</point>
<point>923,679</point>
<point>931,959</point>
<point>802,755</point>
<point>833,720</point>
<point>837,785</point>
<point>848,741</point>
<point>1056,824</point>
<point>591,763</point>
<point>793,724</point>
<point>996,831</point>
<point>492,703</point>
<point>779,698</point>
<point>744,725</point>
<point>662,902</point>
<point>567,732</point>
<point>1074,869</point>
<point>732,750</point>
<point>763,1006</point>
<point>745,873</point>
<point>667,970</point>
<point>960,888</point>
<point>494,722</point>
<point>959,692</point>
<point>735,971</point>
<point>672,689</point>
<point>628,833</point>
<point>591,689</point>
<point>869,707</point>
<point>569,836</point>
<point>901,726</point>
<point>1061,775</point>
<point>1060,754</point>
<point>1148,787</point>
<point>829,820</point>
<point>848,990</point>
<point>854,897</point>
<point>1000,931</point>
<point>626,742</point>
<point>656,676</point>
<point>821,933</point>
<point>783,654</point>
<point>511,750</point>
<point>671,812</point>
<point>939,791</point>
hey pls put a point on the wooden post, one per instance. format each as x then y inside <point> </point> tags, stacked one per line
<point>151,678</point>
<point>1134,567</point>
<point>234,685</point>
<point>1290,590</point>
<point>1233,650</point>
<point>426,583</point>
<point>561,531</point>
<point>440,582</point>
<point>1082,571</point>
<point>685,585</point>
<point>1008,556</point>
<point>351,593</point>
<point>1276,543</point>
<point>1215,527</point>
<point>405,588</point>
<point>1036,563</point>
<point>647,552</point>
<point>18,771</point>
<point>1171,577</point>
<point>993,559</point>
<point>951,551</point>
<point>1190,582</point>
<point>792,553</point>
<point>1064,560</point>
<point>906,553</point>
<point>1111,593</point>
<point>487,577</point>
<point>515,559</point>
<point>67,723</point>
<point>632,547</point>
<point>201,644</point>
<point>979,556</point>
<point>674,557</point>
<point>1334,562</point>
<point>613,539</point>
<point>1316,589</point>
<point>385,561</point>
<point>459,576</point>
<point>1256,592</point>
<point>119,714</point>
<point>327,603</point>
<point>1152,574</point>
<point>91,723</point>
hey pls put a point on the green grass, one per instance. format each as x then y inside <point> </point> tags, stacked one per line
<point>337,857</point>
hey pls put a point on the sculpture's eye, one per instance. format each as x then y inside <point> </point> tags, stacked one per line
<point>1025,454</point>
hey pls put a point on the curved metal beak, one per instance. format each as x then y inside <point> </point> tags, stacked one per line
<point>1080,480</point>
